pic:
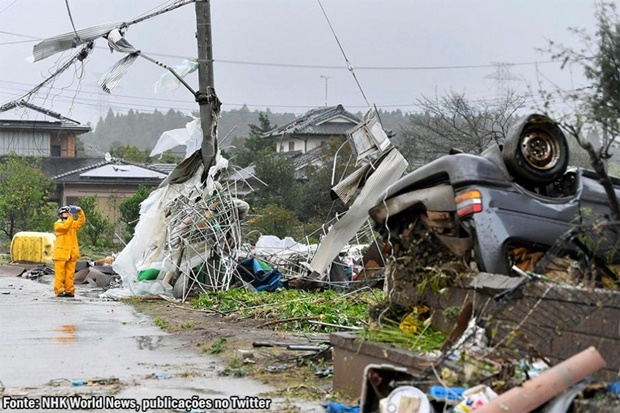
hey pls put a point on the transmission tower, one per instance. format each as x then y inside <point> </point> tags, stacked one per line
<point>501,77</point>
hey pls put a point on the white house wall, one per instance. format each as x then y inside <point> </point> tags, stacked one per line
<point>300,145</point>
<point>28,143</point>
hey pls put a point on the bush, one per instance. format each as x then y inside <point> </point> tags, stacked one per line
<point>98,230</point>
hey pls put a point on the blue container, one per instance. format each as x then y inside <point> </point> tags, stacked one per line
<point>447,393</point>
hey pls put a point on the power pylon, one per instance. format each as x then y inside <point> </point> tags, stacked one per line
<point>501,77</point>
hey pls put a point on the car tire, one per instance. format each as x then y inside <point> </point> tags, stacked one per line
<point>536,151</point>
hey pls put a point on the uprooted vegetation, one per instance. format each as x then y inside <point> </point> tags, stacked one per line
<point>294,310</point>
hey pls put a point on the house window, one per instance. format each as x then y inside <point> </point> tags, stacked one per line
<point>291,146</point>
<point>55,152</point>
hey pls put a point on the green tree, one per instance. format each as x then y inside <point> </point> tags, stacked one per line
<point>167,157</point>
<point>98,230</point>
<point>255,143</point>
<point>275,220</point>
<point>24,193</point>
<point>316,203</point>
<point>278,173</point>
<point>598,104</point>
<point>130,209</point>
<point>130,153</point>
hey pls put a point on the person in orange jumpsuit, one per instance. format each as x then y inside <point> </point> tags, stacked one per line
<point>66,250</point>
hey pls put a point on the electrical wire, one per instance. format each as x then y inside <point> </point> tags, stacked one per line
<point>177,4</point>
<point>78,56</point>
<point>77,37</point>
<point>331,67</point>
<point>349,66</point>
<point>7,7</point>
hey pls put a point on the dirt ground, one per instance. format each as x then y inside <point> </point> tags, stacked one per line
<point>294,374</point>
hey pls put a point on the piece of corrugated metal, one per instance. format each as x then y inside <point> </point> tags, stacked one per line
<point>109,80</point>
<point>66,41</point>
<point>346,189</point>
<point>387,172</point>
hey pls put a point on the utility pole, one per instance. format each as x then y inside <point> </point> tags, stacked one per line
<point>206,96</point>
<point>326,79</point>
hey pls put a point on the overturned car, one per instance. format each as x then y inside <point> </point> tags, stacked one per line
<point>481,206</point>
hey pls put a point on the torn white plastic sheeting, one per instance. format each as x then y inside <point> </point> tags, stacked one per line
<point>268,245</point>
<point>190,137</point>
<point>388,171</point>
<point>169,82</point>
<point>143,288</point>
<point>147,245</point>
<point>220,164</point>
<point>117,42</point>
<point>150,247</point>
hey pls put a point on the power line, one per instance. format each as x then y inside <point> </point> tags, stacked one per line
<point>335,67</point>
<point>7,7</point>
<point>131,105</point>
<point>71,19</point>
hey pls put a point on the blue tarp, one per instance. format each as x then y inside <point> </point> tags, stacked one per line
<point>260,275</point>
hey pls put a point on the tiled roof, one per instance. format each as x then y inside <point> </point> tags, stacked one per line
<point>20,115</point>
<point>318,121</point>
<point>164,168</point>
<point>47,112</point>
<point>52,167</point>
<point>308,157</point>
<point>115,171</point>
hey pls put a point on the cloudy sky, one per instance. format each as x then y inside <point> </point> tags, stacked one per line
<point>282,54</point>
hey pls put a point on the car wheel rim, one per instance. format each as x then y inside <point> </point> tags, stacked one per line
<point>540,150</point>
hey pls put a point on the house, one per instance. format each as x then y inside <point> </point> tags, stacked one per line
<point>304,140</point>
<point>313,129</point>
<point>243,182</point>
<point>30,130</point>
<point>110,180</point>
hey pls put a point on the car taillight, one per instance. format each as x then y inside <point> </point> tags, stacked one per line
<point>468,203</point>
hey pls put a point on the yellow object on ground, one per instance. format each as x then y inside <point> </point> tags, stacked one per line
<point>410,323</point>
<point>34,247</point>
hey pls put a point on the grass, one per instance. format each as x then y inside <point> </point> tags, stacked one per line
<point>161,323</point>
<point>295,306</point>
<point>188,324</point>
<point>218,345</point>
<point>425,340</point>
<point>234,369</point>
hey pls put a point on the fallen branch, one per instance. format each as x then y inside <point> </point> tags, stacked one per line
<point>286,320</point>
<point>206,310</point>
<point>320,323</point>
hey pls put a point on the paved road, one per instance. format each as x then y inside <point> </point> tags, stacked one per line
<point>50,345</point>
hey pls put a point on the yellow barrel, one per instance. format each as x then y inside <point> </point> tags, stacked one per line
<point>34,247</point>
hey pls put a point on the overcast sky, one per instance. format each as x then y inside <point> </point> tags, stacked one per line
<point>282,55</point>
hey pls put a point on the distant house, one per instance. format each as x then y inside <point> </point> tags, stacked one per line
<point>304,140</point>
<point>110,181</point>
<point>313,129</point>
<point>243,182</point>
<point>30,130</point>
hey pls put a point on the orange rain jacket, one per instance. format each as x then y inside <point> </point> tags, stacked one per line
<point>66,245</point>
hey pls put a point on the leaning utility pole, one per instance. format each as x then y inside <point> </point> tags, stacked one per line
<point>206,96</point>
